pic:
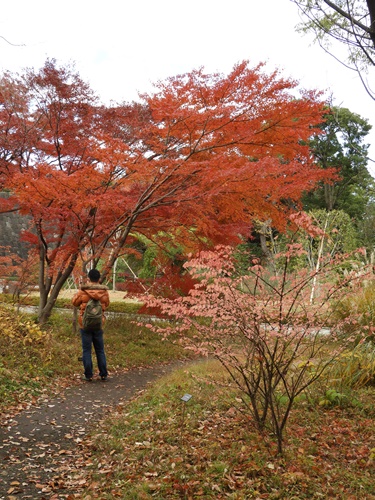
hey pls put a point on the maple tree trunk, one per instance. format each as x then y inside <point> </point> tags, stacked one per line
<point>48,294</point>
<point>116,251</point>
<point>45,312</point>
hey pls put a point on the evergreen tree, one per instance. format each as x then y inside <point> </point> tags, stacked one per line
<point>342,146</point>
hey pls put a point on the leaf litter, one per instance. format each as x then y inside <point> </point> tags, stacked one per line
<point>42,442</point>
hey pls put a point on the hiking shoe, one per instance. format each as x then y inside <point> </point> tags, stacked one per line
<point>88,379</point>
<point>104,378</point>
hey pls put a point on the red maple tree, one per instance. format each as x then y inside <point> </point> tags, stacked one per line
<point>203,155</point>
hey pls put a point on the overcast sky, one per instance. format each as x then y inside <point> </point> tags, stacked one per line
<point>120,46</point>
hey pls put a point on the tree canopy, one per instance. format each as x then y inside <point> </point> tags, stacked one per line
<point>343,146</point>
<point>204,155</point>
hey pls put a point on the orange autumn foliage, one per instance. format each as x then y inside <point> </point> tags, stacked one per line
<point>204,154</point>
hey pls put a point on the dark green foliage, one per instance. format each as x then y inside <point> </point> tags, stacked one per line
<point>342,146</point>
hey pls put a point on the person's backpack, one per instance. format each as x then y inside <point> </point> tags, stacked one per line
<point>92,316</point>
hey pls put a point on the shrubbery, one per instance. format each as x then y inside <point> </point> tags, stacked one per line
<point>269,330</point>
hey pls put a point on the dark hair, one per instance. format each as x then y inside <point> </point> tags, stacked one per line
<point>94,275</point>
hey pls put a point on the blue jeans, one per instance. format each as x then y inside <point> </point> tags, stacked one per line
<point>96,338</point>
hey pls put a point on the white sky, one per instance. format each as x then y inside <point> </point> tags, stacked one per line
<point>121,46</point>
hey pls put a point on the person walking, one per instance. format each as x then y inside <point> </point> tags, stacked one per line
<point>94,297</point>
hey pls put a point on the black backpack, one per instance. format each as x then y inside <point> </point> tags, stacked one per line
<point>92,316</point>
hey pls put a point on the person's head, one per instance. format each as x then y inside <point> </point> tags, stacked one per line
<point>94,275</point>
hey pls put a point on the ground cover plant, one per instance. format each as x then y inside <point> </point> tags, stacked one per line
<point>159,447</point>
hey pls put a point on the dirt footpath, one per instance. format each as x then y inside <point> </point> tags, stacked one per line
<point>39,443</point>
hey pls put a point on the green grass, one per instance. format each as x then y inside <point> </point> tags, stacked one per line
<point>129,345</point>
